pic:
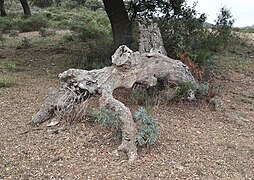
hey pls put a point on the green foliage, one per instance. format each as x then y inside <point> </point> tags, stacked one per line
<point>184,89</point>
<point>7,82</point>
<point>148,9</point>
<point>94,31</point>
<point>42,3</point>
<point>25,43</point>
<point>90,4</point>
<point>2,39</point>
<point>145,97</point>
<point>203,58</point>
<point>142,97</point>
<point>91,30</point>
<point>223,28</point>
<point>6,24</point>
<point>183,33</point>
<point>224,21</point>
<point>203,88</point>
<point>110,119</point>
<point>10,66</point>
<point>33,23</point>
<point>244,30</point>
<point>183,28</point>
<point>148,131</point>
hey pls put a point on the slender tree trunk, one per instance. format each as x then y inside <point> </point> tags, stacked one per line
<point>2,9</point>
<point>120,23</point>
<point>26,7</point>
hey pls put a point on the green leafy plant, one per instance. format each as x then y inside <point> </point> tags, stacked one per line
<point>42,3</point>
<point>203,88</point>
<point>95,34</point>
<point>147,97</point>
<point>221,34</point>
<point>25,43</point>
<point>110,119</point>
<point>148,131</point>
<point>6,24</point>
<point>33,23</point>
<point>2,39</point>
<point>185,88</point>
<point>141,97</point>
<point>183,32</point>
<point>47,32</point>
<point>10,66</point>
<point>7,82</point>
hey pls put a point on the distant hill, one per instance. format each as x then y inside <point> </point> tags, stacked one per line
<point>249,26</point>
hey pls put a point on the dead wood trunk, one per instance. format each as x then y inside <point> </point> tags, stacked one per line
<point>128,68</point>
<point>151,39</point>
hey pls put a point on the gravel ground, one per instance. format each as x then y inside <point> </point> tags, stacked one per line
<point>195,141</point>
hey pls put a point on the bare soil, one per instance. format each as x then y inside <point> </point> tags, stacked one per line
<point>194,142</point>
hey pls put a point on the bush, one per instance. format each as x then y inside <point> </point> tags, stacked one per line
<point>33,23</point>
<point>25,43</point>
<point>2,39</point>
<point>6,24</point>
<point>183,33</point>
<point>42,3</point>
<point>94,31</point>
<point>7,82</point>
<point>187,34</point>
<point>147,132</point>
<point>90,4</point>
<point>146,97</point>
<point>223,29</point>
<point>186,89</point>
<point>110,119</point>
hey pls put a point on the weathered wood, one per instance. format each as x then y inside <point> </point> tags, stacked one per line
<point>150,39</point>
<point>128,68</point>
<point>46,111</point>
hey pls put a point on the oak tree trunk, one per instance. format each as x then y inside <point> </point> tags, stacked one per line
<point>120,23</point>
<point>25,7</point>
<point>2,9</point>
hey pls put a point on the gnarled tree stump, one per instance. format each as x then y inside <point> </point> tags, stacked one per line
<point>128,68</point>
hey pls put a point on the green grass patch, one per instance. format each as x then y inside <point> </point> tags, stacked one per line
<point>8,66</point>
<point>7,82</point>
<point>246,100</point>
<point>251,152</point>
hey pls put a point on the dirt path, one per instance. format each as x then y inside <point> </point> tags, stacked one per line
<point>195,142</point>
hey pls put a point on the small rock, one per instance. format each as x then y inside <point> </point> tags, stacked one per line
<point>218,104</point>
<point>57,158</point>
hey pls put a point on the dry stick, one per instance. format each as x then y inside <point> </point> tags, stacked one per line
<point>27,131</point>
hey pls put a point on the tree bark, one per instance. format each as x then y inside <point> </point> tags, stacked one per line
<point>26,7</point>
<point>2,9</point>
<point>120,23</point>
<point>150,39</point>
